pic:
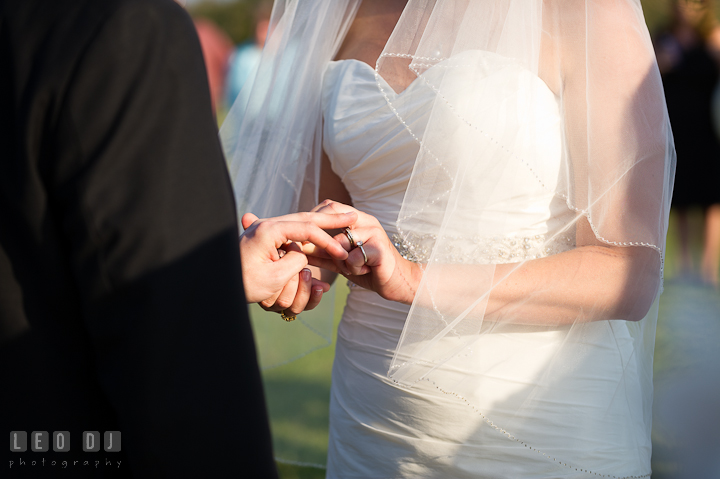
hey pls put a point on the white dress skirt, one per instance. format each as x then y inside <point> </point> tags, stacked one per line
<point>588,423</point>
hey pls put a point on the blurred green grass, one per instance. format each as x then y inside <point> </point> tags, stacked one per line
<point>298,395</point>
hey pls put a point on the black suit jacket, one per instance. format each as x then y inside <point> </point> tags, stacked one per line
<point>121,299</point>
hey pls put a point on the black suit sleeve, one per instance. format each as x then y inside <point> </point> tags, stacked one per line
<point>147,210</point>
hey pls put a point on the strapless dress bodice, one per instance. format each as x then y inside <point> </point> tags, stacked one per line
<point>372,144</point>
<point>369,148</point>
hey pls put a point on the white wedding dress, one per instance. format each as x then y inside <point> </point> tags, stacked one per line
<point>588,423</point>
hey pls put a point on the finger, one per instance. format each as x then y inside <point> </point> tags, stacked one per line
<point>248,219</point>
<point>334,206</point>
<point>303,293</point>
<point>355,262</point>
<point>292,246</point>
<point>305,231</point>
<point>287,295</point>
<point>310,249</point>
<point>335,220</point>
<point>268,303</point>
<point>287,268</point>
<point>326,210</point>
<point>318,288</point>
<point>344,241</point>
<point>328,219</point>
<point>321,284</point>
<point>326,264</point>
<point>279,274</point>
<point>321,206</point>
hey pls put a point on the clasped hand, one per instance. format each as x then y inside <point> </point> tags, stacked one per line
<point>385,271</point>
<point>274,256</point>
<point>276,252</point>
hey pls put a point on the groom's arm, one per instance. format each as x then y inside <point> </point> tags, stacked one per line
<point>149,217</point>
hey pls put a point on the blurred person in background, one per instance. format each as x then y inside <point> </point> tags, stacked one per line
<point>246,56</point>
<point>217,48</point>
<point>121,293</point>
<point>688,55</point>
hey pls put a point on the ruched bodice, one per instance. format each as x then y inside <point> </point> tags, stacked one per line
<point>369,149</point>
<point>372,148</point>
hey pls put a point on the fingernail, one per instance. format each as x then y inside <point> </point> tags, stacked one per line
<point>318,291</point>
<point>306,274</point>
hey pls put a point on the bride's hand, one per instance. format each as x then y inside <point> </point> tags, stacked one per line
<point>385,271</point>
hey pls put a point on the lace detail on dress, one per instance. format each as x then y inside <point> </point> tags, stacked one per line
<point>479,249</point>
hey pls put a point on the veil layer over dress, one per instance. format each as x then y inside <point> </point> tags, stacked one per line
<point>547,135</point>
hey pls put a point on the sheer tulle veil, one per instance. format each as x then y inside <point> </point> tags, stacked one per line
<point>583,68</point>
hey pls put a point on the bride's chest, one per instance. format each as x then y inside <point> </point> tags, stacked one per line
<point>371,144</point>
<point>510,148</point>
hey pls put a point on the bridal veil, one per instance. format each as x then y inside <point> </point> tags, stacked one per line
<point>577,114</point>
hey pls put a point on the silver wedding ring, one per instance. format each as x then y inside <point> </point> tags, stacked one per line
<point>350,237</point>
<point>360,245</point>
<point>353,243</point>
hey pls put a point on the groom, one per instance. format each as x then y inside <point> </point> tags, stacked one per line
<point>121,298</point>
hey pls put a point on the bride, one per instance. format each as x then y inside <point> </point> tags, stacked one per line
<point>514,163</point>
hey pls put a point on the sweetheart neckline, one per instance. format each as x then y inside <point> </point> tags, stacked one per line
<point>376,75</point>
<point>368,67</point>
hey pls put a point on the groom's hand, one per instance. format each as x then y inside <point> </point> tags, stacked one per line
<point>273,264</point>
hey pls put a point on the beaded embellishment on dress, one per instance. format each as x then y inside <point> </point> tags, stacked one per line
<point>478,249</point>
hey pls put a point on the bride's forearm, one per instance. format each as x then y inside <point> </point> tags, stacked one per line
<point>589,283</point>
<point>592,282</point>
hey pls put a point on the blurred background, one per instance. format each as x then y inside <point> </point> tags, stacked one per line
<point>686,412</point>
